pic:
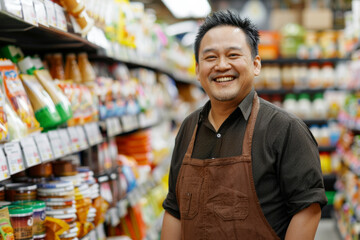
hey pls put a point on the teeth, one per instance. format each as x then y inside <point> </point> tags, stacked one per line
<point>224,79</point>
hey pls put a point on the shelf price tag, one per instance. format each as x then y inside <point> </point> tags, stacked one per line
<point>75,143</point>
<point>50,12</point>
<point>4,170</point>
<point>44,147</point>
<point>65,139</point>
<point>113,127</point>
<point>60,17</point>
<point>30,151</point>
<point>14,157</point>
<point>82,137</point>
<point>129,122</point>
<point>40,12</point>
<point>56,143</point>
<point>98,135</point>
<point>90,134</point>
<point>29,12</point>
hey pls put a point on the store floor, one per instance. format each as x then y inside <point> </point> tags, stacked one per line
<point>327,230</point>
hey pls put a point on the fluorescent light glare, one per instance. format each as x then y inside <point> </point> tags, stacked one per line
<point>188,8</point>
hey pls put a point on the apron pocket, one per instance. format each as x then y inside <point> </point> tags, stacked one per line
<point>230,204</point>
<point>189,197</point>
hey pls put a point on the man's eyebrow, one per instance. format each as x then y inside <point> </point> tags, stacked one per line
<point>206,50</point>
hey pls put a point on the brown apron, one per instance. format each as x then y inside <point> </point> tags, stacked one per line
<point>217,198</point>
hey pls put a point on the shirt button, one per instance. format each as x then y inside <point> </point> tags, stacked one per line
<point>218,135</point>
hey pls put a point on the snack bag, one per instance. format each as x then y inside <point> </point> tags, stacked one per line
<point>6,230</point>
<point>62,104</point>
<point>45,111</point>
<point>17,95</point>
<point>3,119</point>
<point>16,128</point>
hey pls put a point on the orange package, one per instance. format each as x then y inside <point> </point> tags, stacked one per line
<point>17,96</point>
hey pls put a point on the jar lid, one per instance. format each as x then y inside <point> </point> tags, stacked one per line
<point>63,216</point>
<point>67,203</point>
<point>61,211</point>
<point>68,235</point>
<point>20,186</point>
<point>4,204</point>
<point>2,187</point>
<point>36,204</point>
<point>20,209</point>
<point>55,184</point>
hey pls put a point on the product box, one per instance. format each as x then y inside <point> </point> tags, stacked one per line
<point>317,19</point>
<point>281,17</point>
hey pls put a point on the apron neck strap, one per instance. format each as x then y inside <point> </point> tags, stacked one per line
<point>249,132</point>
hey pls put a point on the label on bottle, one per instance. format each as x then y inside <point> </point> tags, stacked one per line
<point>14,157</point>
<point>30,151</point>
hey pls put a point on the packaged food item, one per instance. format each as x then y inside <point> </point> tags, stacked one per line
<point>45,111</point>
<point>64,168</point>
<point>72,71</point>
<point>86,70</point>
<point>17,96</point>
<point>57,67</point>
<point>20,191</point>
<point>38,216</point>
<point>6,230</point>
<point>74,7</point>
<point>21,218</point>
<point>43,170</point>
<point>16,127</point>
<point>12,52</point>
<point>2,193</point>
<point>3,119</point>
<point>61,102</point>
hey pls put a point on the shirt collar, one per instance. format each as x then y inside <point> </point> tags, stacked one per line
<point>245,107</point>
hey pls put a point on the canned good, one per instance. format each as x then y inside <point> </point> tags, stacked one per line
<point>21,218</point>
<point>20,191</point>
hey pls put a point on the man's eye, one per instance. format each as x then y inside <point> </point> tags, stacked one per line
<point>210,57</point>
<point>234,55</point>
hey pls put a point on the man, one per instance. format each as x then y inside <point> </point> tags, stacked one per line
<point>242,168</point>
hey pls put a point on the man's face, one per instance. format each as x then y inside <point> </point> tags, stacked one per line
<point>226,69</point>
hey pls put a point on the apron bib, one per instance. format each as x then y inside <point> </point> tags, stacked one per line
<point>217,197</point>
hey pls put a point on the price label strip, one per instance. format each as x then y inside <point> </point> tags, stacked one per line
<point>56,143</point>
<point>40,12</point>
<point>75,143</point>
<point>50,11</point>
<point>4,170</point>
<point>129,123</point>
<point>65,139</point>
<point>90,134</point>
<point>98,135</point>
<point>30,151</point>
<point>14,157</point>
<point>82,137</point>
<point>44,147</point>
<point>60,18</point>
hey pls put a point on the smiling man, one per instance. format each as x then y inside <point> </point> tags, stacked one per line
<point>242,168</point>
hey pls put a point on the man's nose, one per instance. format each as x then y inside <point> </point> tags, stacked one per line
<point>222,64</point>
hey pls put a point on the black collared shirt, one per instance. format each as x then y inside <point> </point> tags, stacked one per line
<point>285,158</point>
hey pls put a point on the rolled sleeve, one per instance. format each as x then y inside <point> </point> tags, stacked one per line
<point>301,178</point>
<point>170,205</point>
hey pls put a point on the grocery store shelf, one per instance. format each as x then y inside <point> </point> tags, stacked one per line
<point>30,38</point>
<point>303,61</point>
<point>284,91</point>
<point>327,148</point>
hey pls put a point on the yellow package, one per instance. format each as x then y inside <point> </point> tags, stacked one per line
<point>17,96</point>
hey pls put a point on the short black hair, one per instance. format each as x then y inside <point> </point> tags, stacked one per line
<point>228,18</point>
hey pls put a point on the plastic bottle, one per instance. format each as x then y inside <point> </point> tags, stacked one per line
<point>314,76</point>
<point>290,103</point>
<point>304,106</point>
<point>72,70</point>
<point>86,70</point>
<point>57,67</point>
<point>328,75</point>
<point>319,107</point>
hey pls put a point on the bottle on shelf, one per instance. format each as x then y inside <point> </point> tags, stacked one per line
<point>72,70</point>
<point>57,67</point>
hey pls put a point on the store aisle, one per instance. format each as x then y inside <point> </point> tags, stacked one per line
<point>327,230</point>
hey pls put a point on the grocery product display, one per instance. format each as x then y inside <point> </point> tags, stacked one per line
<point>93,92</point>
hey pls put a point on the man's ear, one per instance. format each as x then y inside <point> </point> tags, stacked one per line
<point>257,65</point>
<point>197,71</point>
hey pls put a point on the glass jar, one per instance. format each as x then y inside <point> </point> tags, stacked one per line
<point>21,218</point>
<point>38,216</point>
<point>20,191</point>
